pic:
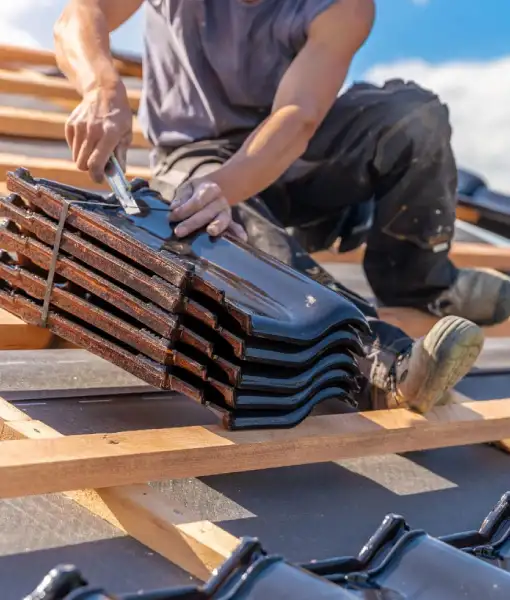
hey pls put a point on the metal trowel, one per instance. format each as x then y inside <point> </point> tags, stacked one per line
<point>120,186</point>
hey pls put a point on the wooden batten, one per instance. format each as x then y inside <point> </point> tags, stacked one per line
<point>463,254</point>
<point>45,125</point>
<point>48,87</point>
<point>31,467</point>
<point>468,214</point>
<point>417,324</point>
<point>196,545</point>
<point>15,334</point>
<point>60,170</point>
<point>18,55</point>
<point>26,56</point>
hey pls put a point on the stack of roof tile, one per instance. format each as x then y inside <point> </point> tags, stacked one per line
<point>211,318</point>
<point>397,563</point>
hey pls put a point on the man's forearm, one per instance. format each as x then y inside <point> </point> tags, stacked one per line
<point>82,41</point>
<point>267,153</point>
<point>82,46</point>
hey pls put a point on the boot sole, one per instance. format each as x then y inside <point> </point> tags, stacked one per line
<point>450,350</point>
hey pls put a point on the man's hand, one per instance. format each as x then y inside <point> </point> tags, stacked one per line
<point>101,124</point>
<point>200,203</point>
<point>98,127</point>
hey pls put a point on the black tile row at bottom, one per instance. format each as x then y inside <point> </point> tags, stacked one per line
<point>397,563</point>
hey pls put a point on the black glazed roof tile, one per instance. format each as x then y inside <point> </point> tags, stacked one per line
<point>398,563</point>
<point>233,328</point>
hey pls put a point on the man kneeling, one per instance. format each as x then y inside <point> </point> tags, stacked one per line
<point>240,100</point>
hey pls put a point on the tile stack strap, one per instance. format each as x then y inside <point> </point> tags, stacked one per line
<point>213,319</point>
<point>397,563</point>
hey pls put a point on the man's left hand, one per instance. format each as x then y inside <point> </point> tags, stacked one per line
<point>200,203</point>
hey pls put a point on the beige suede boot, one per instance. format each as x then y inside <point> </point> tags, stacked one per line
<point>422,377</point>
<point>480,295</point>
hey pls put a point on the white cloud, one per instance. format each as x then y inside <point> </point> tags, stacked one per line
<point>30,23</point>
<point>19,22</point>
<point>478,95</point>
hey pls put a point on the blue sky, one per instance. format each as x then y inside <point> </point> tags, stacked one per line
<point>433,30</point>
<point>458,48</point>
<point>437,31</point>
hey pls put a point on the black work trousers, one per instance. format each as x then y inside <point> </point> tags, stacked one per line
<point>389,144</point>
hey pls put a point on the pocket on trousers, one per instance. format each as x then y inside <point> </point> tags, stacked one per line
<point>424,227</point>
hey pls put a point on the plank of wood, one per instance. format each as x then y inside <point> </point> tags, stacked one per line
<point>40,124</point>
<point>462,254</point>
<point>503,445</point>
<point>60,170</point>
<point>9,412</point>
<point>45,86</point>
<point>467,213</point>
<point>27,56</point>
<point>195,545</point>
<point>416,323</point>
<point>128,66</point>
<point>30,467</point>
<point>19,55</point>
<point>485,256</point>
<point>15,334</point>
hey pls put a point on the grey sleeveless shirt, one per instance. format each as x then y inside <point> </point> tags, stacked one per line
<point>212,67</point>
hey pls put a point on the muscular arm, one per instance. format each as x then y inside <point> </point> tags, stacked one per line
<point>305,95</point>
<point>102,123</point>
<point>82,41</point>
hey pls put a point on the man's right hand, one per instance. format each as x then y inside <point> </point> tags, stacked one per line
<point>98,127</point>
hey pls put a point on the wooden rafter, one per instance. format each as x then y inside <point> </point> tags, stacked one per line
<point>416,323</point>
<point>195,545</point>
<point>18,55</point>
<point>45,86</point>
<point>39,124</point>
<point>26,56</point>
<point>31,467</point>
<point>15,334</point>
<point>468,214</point>
<point>463,255</point>
<point>60,170</point>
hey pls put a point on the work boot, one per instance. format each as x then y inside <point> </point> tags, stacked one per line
<point>480,295</point>
<point>422,377</point>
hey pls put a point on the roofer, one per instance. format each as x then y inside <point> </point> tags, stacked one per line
<point>240,101</point>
